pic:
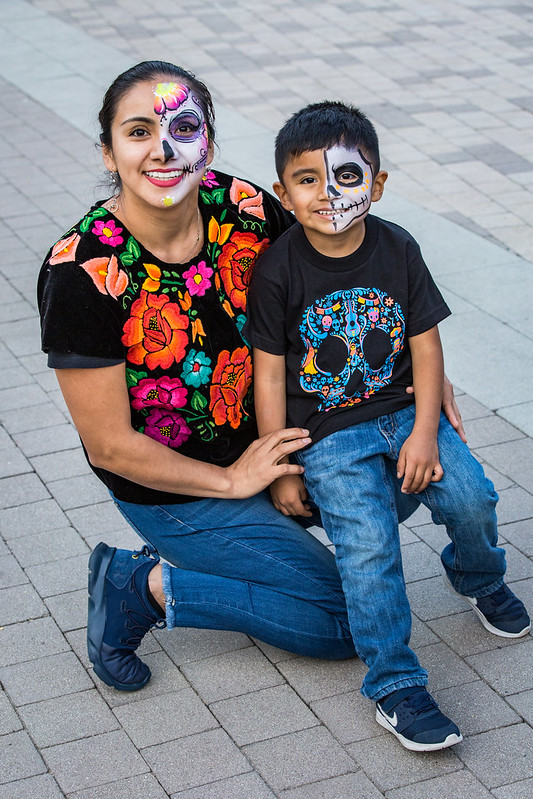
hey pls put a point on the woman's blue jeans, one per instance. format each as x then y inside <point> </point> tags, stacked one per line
<point>351,476</point>
<point>243,566</point>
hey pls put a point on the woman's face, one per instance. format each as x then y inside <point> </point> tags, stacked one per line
<point>160,145</point>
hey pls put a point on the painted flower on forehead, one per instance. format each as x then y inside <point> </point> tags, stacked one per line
<point>197,278</point>
<point>247,198</point>
<point>107,231</point>
<point>167,427</point>
<point>106,275</point>
<point>169,96</point>
<point>64,250</point>
<point>236,264</point>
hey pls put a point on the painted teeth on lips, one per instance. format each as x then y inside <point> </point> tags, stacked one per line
<point>343,208</point>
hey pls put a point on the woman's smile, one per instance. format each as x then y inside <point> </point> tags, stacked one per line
<point>165,177</point>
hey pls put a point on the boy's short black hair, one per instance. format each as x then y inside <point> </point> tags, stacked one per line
<point>319,126</point>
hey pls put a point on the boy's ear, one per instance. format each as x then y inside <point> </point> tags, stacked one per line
<point>283,195</point>
<point>378,186</point>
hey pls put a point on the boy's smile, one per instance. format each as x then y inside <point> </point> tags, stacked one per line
<point>330,192</point>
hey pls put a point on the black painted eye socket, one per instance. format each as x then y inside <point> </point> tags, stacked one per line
<point>349,174</point>
<point>185,126</point>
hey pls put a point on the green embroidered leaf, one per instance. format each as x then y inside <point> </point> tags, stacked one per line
<point>133,378</point>
<point>206,197</point>
<point>133,247</point>
<point>198,402</point>
<point>223,214</point>
<point>218,195</point>
<point>99,212</point>
<point>206,431</point>
<point>126,258</point>
<point>85,223</point>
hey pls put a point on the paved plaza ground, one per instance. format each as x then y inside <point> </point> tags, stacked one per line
<point>450,86</point>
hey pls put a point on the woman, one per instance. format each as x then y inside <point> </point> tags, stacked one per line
<point>142,303</point>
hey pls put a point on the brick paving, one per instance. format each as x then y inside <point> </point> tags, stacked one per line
<point>224,717</point>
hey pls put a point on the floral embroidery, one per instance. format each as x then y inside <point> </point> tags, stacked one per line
<point>65,250</point>
<point>167,427</point>
<point>106,275</point>
<point>197,278</point>
<point>216,233</point>
<point>154,333</point>
<point>236,264</point>
<point>231,380</point>
<point>153,281</point>
<point>247,198</point>
<point>165,392</point>
<point>107,232</point>
<point>209,180</point>
<point>168,97</point>
<point>196,368</point>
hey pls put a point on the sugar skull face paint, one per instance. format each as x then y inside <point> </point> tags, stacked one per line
<point>348,185</point>
<point>184,141</point>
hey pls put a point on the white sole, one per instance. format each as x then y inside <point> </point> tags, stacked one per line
<point>451,740</point>
<point>486,624</point>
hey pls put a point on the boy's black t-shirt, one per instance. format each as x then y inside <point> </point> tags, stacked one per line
<point>343,323</point>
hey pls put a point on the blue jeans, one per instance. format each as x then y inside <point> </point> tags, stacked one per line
<point>240,565</point>
<point>351,476</point>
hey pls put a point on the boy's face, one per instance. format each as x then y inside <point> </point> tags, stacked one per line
<point>330,190</point>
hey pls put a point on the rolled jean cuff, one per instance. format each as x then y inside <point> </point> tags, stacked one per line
<point>490,589</point>
<point>408,682</point>
<point>170,602</point>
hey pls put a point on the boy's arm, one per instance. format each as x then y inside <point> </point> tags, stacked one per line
<point>418,462</point>
<point>288,492</point>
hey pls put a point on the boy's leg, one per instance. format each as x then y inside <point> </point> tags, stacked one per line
<point>241,566</point>
<point>346,476</point>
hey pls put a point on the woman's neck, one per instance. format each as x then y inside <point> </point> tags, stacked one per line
<point>174,234</point>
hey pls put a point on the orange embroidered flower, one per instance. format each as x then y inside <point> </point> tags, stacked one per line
<point>218,233</point>
<point>230,383</point>
<point>106,275</point>
<point>154,333</point>
<point>247,198</point>
<point>236,264</point>
<point>64,250</point>
<point>153,281</point>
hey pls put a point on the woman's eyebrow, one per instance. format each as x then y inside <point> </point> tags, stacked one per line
<point>146,120</point>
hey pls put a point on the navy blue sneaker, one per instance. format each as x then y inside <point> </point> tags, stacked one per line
<point>501,612</point>
<point>120,615</point>
<point>413,716</point>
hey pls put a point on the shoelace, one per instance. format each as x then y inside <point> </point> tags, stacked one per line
<point>422,702</point>
<point>501,602</point>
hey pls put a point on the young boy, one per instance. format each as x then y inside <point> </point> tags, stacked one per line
<point>343,316</point>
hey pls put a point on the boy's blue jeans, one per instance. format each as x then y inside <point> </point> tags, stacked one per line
<point>351,475</point>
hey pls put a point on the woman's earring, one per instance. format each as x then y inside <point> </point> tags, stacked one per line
<point>114,177</point>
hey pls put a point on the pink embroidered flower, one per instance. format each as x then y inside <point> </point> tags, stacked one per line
<point>106,275</point>
<point>64,250</point>
<point>197,278</point>
<point>209,179</point>
<point>169,96</point>
<point>165,392</point>
<point>167,427</point>
<point>247,198</point>
<point>108,232</point>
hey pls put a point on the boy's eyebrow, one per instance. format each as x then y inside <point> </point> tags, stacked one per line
<point>304,171</point>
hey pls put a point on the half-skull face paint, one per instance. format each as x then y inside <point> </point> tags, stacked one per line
<point>348,184</point>
<point>184,141</point>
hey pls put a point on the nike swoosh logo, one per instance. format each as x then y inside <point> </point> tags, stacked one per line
<point>393,719</point>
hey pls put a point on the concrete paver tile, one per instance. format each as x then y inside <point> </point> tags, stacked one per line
<point>20,520</point>
<point>459,785</point>
<point>242,786</point>
<point>519,415</point>
<point>475,707</point>
<point>350,717</point>
<point>356,785</point>
<point>69,611</point>
<point>58,465</point>
<point>165,717</point>
<point>45,678</point>
<point>518,790</point>
<point>33,417</point>
<point>67,718</point>
<point>20,603</point>
<point>231,674</point>
<point>165,676</point>
<point>10,572</point>
<point>420,562</point>
<point>21,490</point>
<point>142,786</point>
<point>203,758</point>
<point>20,758</point>
<point>49,439</point>
<point>514,459</point>
<point>299,757</point>
<point>523,704</point>
<point>500,756</point>
<point>59,576</point>
<point>263,714</point>
<point>43,786</point>
<point>465,635</point>
<point>75,492</point>
<point>51,545</point>
<point>97,518</point>
<point>30,640</point>
<point>9,721</point>
<point>507,670</point>
<point>445,668</point>
<point>318,679</point>
<point>187,644</point>
<point>94,761</point>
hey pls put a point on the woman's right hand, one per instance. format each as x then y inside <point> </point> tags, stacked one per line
<point>262,462</point>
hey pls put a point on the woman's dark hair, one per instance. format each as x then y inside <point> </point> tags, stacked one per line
<point>322,125</point>
<point>151,71</point>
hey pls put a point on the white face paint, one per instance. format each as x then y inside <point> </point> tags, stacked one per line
<point>184,141</point>
<point>348,184</point>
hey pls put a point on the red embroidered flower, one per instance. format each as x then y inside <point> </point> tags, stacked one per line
<point>236,264</point>
<point>106,275</point>
<point>64,250</point>
<point>154,333</point>
<point>230,383</point>
<point>167,427</point>
<point>247,198</point>
<point>165,392</point>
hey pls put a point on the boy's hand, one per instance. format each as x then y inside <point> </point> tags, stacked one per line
<point>418,463</point>
<point>289,494</point>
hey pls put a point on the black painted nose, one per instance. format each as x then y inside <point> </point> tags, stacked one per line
<point>168,152</point>
<point>332,191</point>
